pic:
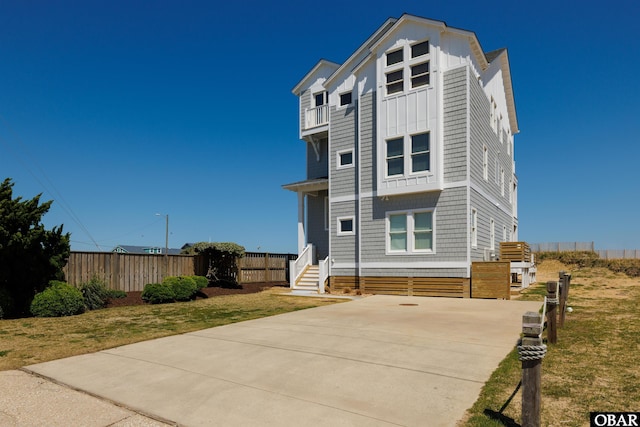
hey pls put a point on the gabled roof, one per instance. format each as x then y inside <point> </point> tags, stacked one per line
<point>322,63</point>
<point>354,62</point>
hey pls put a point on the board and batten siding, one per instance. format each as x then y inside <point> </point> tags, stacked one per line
<point>343,137</point>
<point>455,125</point>
<point>316,232</point>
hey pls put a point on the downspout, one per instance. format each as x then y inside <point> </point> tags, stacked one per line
<point>358,188</point>
<point>468,168</point>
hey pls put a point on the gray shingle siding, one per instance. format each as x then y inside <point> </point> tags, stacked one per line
<point>344,249</point>
<point>486,211</point>
<point>368,142</point>
<point>482,134</point>
<point>455,125</point>
<point>343,137</point>
<point>450,225</point>
<point>305,102</point>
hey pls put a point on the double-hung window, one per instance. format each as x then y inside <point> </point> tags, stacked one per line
<point>415,68</point>
<point>417,162</point>
<point>395,157</point>
<point>410,232</point>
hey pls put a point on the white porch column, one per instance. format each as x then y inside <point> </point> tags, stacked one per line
<point>301,234</point>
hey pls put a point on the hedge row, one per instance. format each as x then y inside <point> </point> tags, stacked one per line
<point>174,288</point>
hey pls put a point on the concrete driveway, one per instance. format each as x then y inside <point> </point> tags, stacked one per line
<point>378,361</point>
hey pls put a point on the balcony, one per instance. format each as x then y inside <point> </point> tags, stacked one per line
<point>316,120</point>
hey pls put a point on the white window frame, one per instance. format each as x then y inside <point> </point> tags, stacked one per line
<point>407,157</point>
<point>504,233</point>
<point>411,250</point>
<point>339,164</point>
<point>405,68</point>
<point>339,220</point>
<point>474,228</point>
<point>502,182</point>
<point>485,163</point>
<point>340,104</point>
<point>493,115</point>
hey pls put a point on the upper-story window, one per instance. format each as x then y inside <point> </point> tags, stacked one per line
<point>345,98</point>
<point>417,67</point>
<point>344,159</point>
<point>485,163</point>
<point>395,57</point>
<point>320,98</point>
<point>419,159</point>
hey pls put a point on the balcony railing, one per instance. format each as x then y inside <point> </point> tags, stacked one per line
<point>316,116</point>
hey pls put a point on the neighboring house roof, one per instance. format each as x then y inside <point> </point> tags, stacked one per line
<point>131,249</point>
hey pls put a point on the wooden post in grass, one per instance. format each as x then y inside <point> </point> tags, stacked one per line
<point>565,280</point>
<point>552,312</point>
<point>531,351</point>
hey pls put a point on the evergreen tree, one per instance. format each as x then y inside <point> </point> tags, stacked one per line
<point>30,255</point>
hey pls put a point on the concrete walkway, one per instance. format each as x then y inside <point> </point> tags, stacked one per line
<point>378,361</point>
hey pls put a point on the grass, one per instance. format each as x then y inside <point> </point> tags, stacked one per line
<point>595,366</point>
<point>35,340</point>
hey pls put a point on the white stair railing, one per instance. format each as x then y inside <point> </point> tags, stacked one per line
<point>323,270</point>
<point>297,267</point>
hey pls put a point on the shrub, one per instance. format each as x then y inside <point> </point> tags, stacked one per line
<point>95,294</point>
<point>157,293</point>
<point>201,281</point>
<point>59,299</point>
<point>116,293</point>
<point>184,287</point>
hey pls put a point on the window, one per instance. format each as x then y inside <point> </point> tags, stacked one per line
<point>504,233</point>
<point>420,75</point>
<point>394,57</point>
<point>345,98</point>
<point>502,182</point>
<point>320,98</point>
<point>346,226</point>
<point>492,234</point>
<point>485,163</point>
<point>493,115</point>
<point>410,232</point>
<point>420,49</point>
<point>345,159</point>
<point>500,128</point>
<point>420,152</point>
<point>395,157</point>
<point>474,228</point>
<point>395,82</point>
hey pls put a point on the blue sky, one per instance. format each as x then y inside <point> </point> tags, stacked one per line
<point>118,110</point>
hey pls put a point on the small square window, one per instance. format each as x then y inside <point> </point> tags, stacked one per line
<point>394,57</point>
<point>420,49</point>
<point>345,159</point>
<point>345,98</point>
<point>346,226</point>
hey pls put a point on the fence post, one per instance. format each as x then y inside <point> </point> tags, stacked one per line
<point>552,312</point>
<point>565,281</point>
<point>531,351</point>
<point>267,273</point>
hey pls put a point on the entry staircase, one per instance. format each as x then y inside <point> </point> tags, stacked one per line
<point>306,274</point>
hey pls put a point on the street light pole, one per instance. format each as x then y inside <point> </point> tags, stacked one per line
<point>166,243</point>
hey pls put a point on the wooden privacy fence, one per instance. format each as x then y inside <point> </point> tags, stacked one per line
<point>126,272</point>
<point>130,272</point>
<point>515,251</point>
<point>491,279</point>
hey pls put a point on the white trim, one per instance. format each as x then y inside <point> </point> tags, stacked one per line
<point>339,105</point>
<point>410,229</point>
<point>418,264</point>
<point>401,264</point>
<point>340,166</point>
<point>327,218</point>
<point>348,198</point>
<point>474,228</point>
<point>339,220</point>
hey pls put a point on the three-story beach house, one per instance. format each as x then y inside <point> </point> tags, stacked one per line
<point>410,162</point>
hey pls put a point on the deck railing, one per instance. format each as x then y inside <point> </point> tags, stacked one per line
<point>323,273</point>
<point>515,251</point>
<point>316,116</point>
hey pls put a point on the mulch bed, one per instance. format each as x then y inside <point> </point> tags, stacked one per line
<point>135,298</point>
